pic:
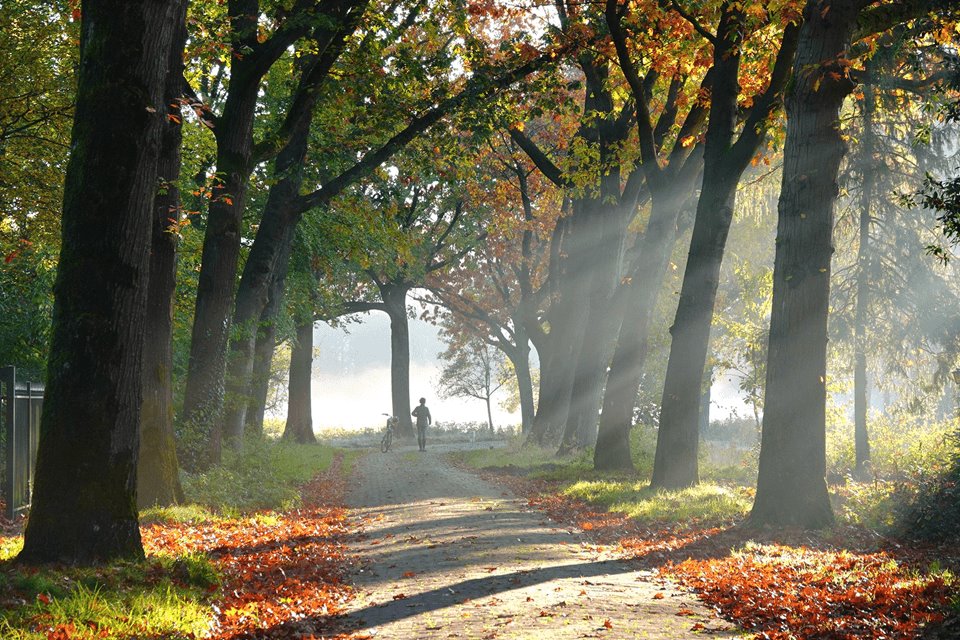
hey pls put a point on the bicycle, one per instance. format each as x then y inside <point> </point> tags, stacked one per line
<point>387,440</point>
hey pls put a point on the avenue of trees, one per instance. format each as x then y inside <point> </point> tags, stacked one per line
<point>642,193</point>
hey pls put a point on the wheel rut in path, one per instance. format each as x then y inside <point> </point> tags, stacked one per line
<point>445,554</point>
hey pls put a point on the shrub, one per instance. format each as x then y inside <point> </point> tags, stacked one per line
<point>902,447</point>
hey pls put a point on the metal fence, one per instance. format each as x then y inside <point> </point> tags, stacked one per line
<point>20,414</point>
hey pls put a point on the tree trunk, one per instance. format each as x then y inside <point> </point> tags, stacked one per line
<point>85,499</point>
<point>489,414</point>
<point>725,160</point>
<point>299,405</point>
<point>675,461</point>
<point>271,248</point>
<point>205,389</point>
<point>638,299</point>
<point>395,302</point>
<point>861,314</point>
<point>791,484</point>
<point>520,357</point>
<point>158,473</point>
<point>264,350</point>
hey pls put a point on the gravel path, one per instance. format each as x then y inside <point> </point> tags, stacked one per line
<point>445,554</point>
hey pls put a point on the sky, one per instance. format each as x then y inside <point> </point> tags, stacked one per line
<point>351,379</point>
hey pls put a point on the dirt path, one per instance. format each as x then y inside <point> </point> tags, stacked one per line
<point>448,555</point>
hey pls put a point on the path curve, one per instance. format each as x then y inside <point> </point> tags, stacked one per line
<point>444,554</point>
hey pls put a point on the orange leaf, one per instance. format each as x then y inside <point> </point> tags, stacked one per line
<point>658,595</point>
<point>608,624</point>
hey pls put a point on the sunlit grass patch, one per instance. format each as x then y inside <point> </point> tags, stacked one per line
<point>163,597</point>
<point>184,513</point>
<point>875,505</point>
<point>705,503</point>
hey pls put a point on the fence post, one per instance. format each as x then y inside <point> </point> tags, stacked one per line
<point>8,377</point>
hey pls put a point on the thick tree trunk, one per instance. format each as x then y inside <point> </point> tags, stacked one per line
<point>791,484</point>
<point>264,350</point>
<point>271,249</point>
<point>158,473</point>
<point>205,389</point>
<point>299,405</point>
<point>84,502</point>
<point>675,461</point>
<point>638,300</point>
<point>861,314</point>
<point>395,302</point>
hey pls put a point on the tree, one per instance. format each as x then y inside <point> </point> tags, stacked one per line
<point>238,152</point>
<point>158,473</point>
<point>472,370</point>
<point>84,502</point>
<point>791,488</point>
<point>422,222</point>
<point>726,156</point>
<point>497,293</point>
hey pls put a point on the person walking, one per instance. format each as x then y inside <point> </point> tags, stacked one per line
<point>422,414</point>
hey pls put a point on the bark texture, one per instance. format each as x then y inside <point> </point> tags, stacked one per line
<point>158,473</point>
<point>791,487</point>
<point>84,504</point>
<point>299,408</point>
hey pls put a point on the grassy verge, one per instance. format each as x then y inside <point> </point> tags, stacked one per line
<point>172,594</point>
<point>715,501</point>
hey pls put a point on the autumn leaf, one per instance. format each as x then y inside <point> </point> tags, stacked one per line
<point>608,624</point>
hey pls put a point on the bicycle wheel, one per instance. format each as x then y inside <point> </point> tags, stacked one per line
<point>385,443</point>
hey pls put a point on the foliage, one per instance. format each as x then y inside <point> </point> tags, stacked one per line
<point>782,592</point>
<point>473,370</point>
<point>26,308</point>
<point>903,447</point>
<point>208,577</point>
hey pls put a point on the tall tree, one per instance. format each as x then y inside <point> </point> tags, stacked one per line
<point>158,473</point>
<point>84,503</point>
<point>726,156</point>
<point>252,56</point>
<point>791,487</point>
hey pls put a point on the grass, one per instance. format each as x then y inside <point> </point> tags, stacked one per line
<point>162,597</point>
<point>165,596</point>
<point>715,501</point>
<point>704,503</point>
<point>265,475</point>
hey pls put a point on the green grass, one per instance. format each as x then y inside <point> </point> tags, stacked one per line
<point>163,597</point>
<point>181,513</point>
<point>265,475</point>
<point>703,504</point>
<point>715,501</point>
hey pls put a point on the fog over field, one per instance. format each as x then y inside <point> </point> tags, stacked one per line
<point>351,378</point>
